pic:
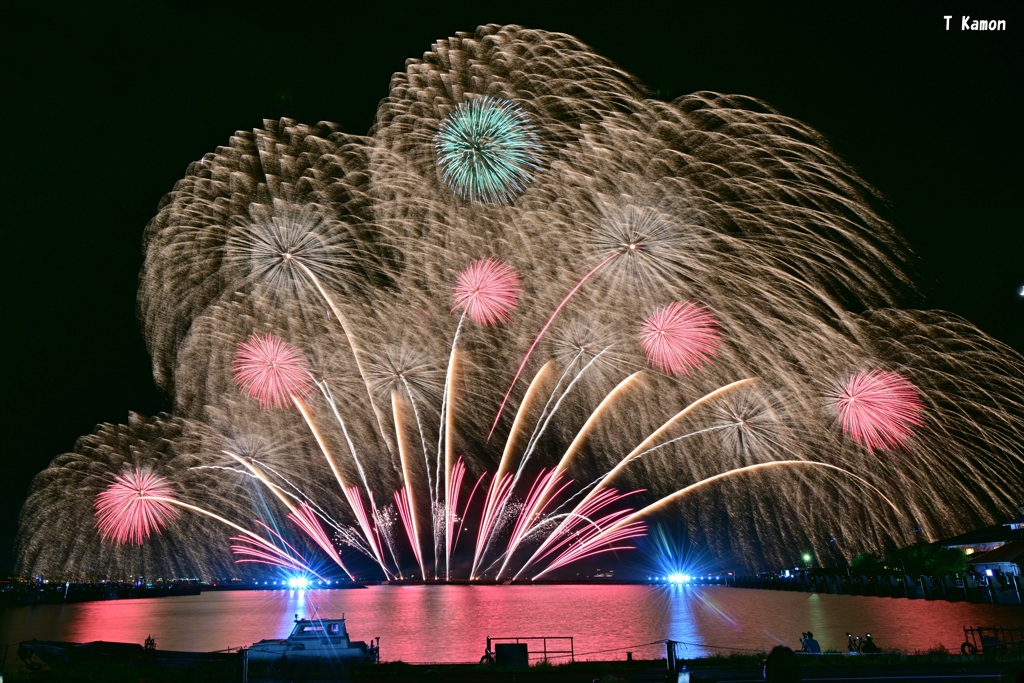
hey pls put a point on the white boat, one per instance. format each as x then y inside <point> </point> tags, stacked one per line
<point>316,640</point>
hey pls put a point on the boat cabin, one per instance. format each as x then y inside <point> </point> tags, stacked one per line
<point>315,629</point>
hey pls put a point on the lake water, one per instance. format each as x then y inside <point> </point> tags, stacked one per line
<point>450,623</point>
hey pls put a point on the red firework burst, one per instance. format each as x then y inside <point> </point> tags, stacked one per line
<point>680,337</point>
<point>134,506</point>
<point>879,409</point>
<point>488,291</point>
<point>271,370</point>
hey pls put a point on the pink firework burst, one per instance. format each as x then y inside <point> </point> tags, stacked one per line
<point>135,505</point>
<point>271,370</point>
<point>879,409</point>
<point>680,337</point>
<point>488,291</point>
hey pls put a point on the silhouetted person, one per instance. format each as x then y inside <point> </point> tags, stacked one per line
<point>781,666</point>
<point>868,645</point>
<point>809,644</point>
<point>853,644</point>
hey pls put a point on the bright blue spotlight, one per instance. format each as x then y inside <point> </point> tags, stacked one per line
<point>677,578</point>
<point>300,582</point>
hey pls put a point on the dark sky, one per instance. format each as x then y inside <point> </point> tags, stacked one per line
<point>106,105</point>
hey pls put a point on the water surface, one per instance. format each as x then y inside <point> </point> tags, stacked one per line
<point>450,623</point>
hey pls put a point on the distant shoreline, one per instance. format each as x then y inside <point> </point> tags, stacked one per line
<point>50,593</point>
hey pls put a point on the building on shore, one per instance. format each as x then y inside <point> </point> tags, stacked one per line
<point>994,550</point>
<point>1007,559</point>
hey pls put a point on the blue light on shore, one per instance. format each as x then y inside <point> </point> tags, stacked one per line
<point>298,582</point>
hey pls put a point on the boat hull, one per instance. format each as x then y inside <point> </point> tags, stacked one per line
<point>272,651</point>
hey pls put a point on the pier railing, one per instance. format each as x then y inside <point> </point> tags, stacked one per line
<point>992,639</point>
<point>550,647</point>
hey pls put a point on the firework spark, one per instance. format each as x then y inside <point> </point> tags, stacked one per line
<point>879,409</point>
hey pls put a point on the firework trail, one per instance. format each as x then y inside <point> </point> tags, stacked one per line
<point>68,488</point>
<point>277,374</point>
<point>529,352</point>
<point>138,503</point>
<point>654,254</point>
<point>623,524</point>
<point>548,487</point>
<point>487,292</point>
<point>246,550</point>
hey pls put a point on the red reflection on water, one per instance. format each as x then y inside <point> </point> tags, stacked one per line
<point>212,621</point>
<point>127,621</point>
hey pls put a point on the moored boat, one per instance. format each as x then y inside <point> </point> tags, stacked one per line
<point>316,640</point>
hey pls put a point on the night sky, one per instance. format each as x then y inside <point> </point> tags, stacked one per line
<point>106,105</point>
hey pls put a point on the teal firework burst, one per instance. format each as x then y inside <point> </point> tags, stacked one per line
<point>487,150</point>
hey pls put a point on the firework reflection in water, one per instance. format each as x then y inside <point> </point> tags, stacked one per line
<point>711,236</point>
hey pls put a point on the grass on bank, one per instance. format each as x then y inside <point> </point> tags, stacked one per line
<point>112,672</point>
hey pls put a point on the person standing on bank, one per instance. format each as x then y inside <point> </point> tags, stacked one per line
<point>809,644</point>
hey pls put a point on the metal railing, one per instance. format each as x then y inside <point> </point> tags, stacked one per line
<point>546,652</point>
<point>989,639</point>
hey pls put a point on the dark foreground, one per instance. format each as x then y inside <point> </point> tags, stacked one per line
<point>887,667</point>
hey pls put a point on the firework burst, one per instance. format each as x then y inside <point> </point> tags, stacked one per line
<point>879,409</point>
<point>680,337</point>
<point>488,291</point>
<point>134,506</point>
<point>271,370</point>
<point>274,246</point>
<point>487,150</point>
<point>344,245</point>
<point>652,244</point>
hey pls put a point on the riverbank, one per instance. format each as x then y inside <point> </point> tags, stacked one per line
<point>59,593</point>
<point>1002,590</point>
<point>50,593</point>
<point>733,669</point>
